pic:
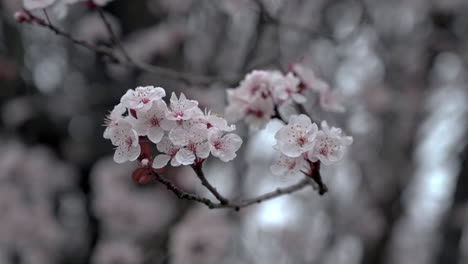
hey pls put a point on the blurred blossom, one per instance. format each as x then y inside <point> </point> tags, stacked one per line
<point>400,68</point>
<point>361,65</point>
<point>239,7</point>
<point>344,17</point>
<point>125,210</point>
<point>81,128</point>
<point>48,74</point>
<point>347,251</point>
<point>170,6</point>
<point>32,182</point>
<point>17,111</point>
<point>117,251</point>
<point>202,237</point>
<point>146,44</point>
<point>92,29</point>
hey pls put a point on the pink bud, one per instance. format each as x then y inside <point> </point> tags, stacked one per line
<point>21,17</point>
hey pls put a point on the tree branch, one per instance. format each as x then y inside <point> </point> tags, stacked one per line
<point>201,175</point>
<point>186,77</point>
<point>114,37</point>
<point>181,194</point>
<point>276,193</point>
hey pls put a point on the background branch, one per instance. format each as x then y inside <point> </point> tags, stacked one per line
<point>201,175</point>
<point>186,77</point>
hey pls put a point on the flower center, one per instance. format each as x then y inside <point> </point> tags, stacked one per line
<point>145,100</point>
<point>128,141</point>
<point>254,89</point>
<point>218,145</point>
<point>173,152</point>
<point>301,141</point>
<point>327,147</point>
<point>155,122</point>
<point>192,147</point>
<point>257,113</point>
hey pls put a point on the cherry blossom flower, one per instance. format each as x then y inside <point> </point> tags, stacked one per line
<point>213,120</point>
<point>153,123</point>
<point>142,98</point>
<point>259,113</point>
<point>287,166</point>
<point>297,137</point>
<point>37,4</point>
<point>188,130</point>
<point>181,132</point>
<point>329,146</point>
<point>21,16</point>
<point>252,100</point>
<point>182,109</point>
<point>194,141</point>
<point>236,108</point>
<point>112,120</point>
<point>255,84</point>
<point>125,138</point>
<point>169,151</point>
<point>202,236</point>
<point>224,146</point>
<point>286,88</point>
<point>330,101</point>
<point>309,79</point>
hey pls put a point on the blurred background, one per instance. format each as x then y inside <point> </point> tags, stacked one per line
<point>399,196</point>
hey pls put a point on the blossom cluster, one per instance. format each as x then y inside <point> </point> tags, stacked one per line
<point>302,143</point>
<point>182,132</point>
<point>42,206</point>
<point>260,95</point>
<point>59,7</point>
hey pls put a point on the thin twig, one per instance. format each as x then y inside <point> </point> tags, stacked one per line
<point>186,77</point>
<point>181,194</point>
<point>113,35</point>
<point>47,16</point>
<point>276,193</point>
<point>201,175</point>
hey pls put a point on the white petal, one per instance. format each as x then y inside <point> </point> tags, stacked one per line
<point>174,101</point>
<point>233,142</point>
<point>299,98</point>
<point>278,169</point>
<point>203,150</point>
<point>179,136</point>
<point>175,163</point>
<point>168,124</point>
<point>291,150</point>
<point>165,145</point>
<point>157,93</point>
<point>155,134</point>
<point>160,161</point>
<point>120,155</point>
<point>134,152</point>
<point>347,140</point>
<point>185,157</point>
